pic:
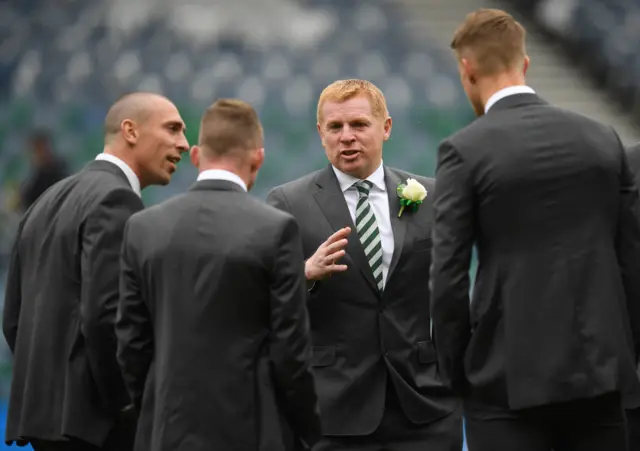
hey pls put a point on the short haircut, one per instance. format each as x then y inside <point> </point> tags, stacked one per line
<point>230,125</point>
<point>493,38</point>
<point>343,90</point>
<point>136,106</point>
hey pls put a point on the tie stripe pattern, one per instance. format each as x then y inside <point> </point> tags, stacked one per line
<point>368,232</point>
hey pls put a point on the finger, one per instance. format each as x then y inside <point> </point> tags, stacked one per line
<point>340,234</point>
<point>337,268</point>
<point>333,247</point>
<point>334,257</point>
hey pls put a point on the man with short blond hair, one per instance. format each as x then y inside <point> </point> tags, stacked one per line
<point>231,125</point>
<point>373,358</point>
<point>213,333</point>
<point>545,355</point>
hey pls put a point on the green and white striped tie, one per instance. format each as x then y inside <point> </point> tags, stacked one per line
<point>368,232</point>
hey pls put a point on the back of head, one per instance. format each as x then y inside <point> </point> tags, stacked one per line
<point>231,138</point>
<point>493,39</point>
<point>228,126</point>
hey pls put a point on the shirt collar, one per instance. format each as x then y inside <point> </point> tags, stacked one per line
<point>128,172</point>
<point>506,92</point>
<point>346,181</point>
<point>222,174</point>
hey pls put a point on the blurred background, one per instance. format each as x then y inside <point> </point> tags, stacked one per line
<point>63,62</point>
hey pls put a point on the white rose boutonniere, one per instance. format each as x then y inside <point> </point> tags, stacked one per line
<point>411,195</point>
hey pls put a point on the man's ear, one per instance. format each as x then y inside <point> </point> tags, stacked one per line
<point>129,131</point>
<point>194,154</point>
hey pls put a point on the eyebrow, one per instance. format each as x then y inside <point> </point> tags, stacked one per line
<point>174,122</point>
<point>355,119</point>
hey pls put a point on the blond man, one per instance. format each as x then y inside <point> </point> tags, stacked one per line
<point>367,254</point>
<point>545,354</point>
<point>213,333</point>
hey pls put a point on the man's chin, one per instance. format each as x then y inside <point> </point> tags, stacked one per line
<point>354,168</point>
<point>163,181</point>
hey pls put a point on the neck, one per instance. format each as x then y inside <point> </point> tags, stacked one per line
<point>243,172</point>
<point>490,85</point>
<point>126,156</point>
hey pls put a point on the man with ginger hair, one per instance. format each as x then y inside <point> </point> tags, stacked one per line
<point>545,355</point>
<point>67,391</point>
<point>367,266</point>
<point>212,326</point>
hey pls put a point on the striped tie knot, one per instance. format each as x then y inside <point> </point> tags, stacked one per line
<point>363,187</point>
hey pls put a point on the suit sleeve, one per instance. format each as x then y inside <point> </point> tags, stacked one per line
<point>277,199</point>
<point>13,295</point>
<point>628,248</point>
<point>100,266</point>
<point>290,342</point>
<point>133,324</point>
<point>453,238</point>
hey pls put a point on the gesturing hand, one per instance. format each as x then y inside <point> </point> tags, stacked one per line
<point>323,263</point>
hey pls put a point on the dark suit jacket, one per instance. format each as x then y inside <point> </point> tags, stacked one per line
<point>213,331</point>
<point>547,197</point>
<point>362,338</point>
<point>633,156</point>
<point>60,307</point>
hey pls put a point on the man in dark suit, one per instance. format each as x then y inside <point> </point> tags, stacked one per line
<point>545,354</point>
<point>213,331</point>
<point>374,362</point>
<point>633,414</point>
<point>61,296</point>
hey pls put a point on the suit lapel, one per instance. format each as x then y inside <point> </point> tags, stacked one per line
<point>331,201</point>
<point>398,225</point>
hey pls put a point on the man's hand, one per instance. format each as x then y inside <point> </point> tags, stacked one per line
<point>323,263</point>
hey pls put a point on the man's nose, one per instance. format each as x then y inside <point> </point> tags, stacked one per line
<point>183,145</point>
<point>347,134</point>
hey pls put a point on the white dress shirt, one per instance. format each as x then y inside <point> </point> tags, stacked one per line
<point>379,202</point>
<point>506,92</point>
<point>131,176</point>
<point>222,174</point>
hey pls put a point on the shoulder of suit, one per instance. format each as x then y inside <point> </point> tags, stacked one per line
<point>166,208</point>
<point>268,211</point>
<point>92,187</point>
<point>303,183</point>
<point>99,184</point>
<point>491,123</point>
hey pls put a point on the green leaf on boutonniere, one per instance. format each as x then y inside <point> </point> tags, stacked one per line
<point>410,204</point>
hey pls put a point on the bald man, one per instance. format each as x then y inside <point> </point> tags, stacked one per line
<point>62,291</point>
